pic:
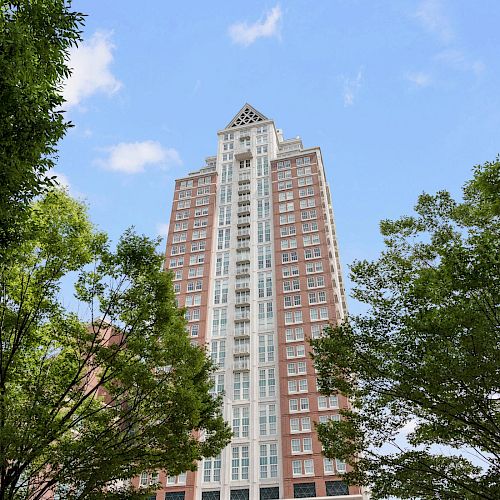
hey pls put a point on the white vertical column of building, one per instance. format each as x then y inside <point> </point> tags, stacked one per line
<point>263,150</point>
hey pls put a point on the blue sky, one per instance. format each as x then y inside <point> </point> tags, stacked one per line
<point>402,96</point>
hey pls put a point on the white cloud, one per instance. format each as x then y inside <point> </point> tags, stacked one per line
<point>431,14</point>
<point>162,230</point>
<point>351,87</point>
<point>419,79</point>
<point>61,179</point>
<point>90,63</point>
<point>457,60</point>
<point>133,157</point>
<point>246,34</point>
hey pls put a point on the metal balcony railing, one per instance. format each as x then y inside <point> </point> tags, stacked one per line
<point>242,363</point>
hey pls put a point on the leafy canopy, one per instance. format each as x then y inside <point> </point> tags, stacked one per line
<point>35,36</point>
<point>426,355</point>
<point>83,404</point>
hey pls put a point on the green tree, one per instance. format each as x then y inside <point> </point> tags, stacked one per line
<point>35,36</point>
<point>85,404</point>
<point>426,355</point>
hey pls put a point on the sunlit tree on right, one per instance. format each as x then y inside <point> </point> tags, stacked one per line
<point>426,355</point>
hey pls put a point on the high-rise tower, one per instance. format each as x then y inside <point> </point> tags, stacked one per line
<point>253,251</point>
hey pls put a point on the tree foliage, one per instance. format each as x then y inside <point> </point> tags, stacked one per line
<point>84,404</point>
<point>426,355</point>
<point>35,36</point>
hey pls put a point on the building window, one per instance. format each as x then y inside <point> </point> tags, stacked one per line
<point>314,267</point>
<point>323,419</point>
<point>288,231</point>
<point>328,402</point>
<point>288,243</point>
<point>197,259</point>
<point>285,196</point>
<point>263,208</point>
<point>222,264</point>
<point>284,174</point>
<point>218,352</point>
<point>241,386</point>
<point>218,384</point>
<point>203,189</point>
<point>304,490</point>
<point>307,203</point>
<point>262,166</point>
<point>239,463</point>
<point>306,192</point>
<point>296,368</point>
<point>266,348</point>
<point>263,187</point>
<point>211,469</point>
<point>267,382</point>
<point>200,212</point>
<point>290,271</point>
<point>318,314</point>
<point>265,314</point>
<point>240,495</point>
<point>220,292</point>
<point>265,285</point>
<point>308,214</point>
<point>302,424</point>
<point>294,334</point>
<point>296,386</point>
<point>267,420</point>
<point>311,239</point>
<point>210,495</point>
<point>292,317</point>
<point>223,239</point>
<point>287,184</point>
<point>336,488</point>
<point>241,421</point>
<point>219,323</point>
<point>175,495</point>
<point>296,351</point>
<point>225,215</point>
<point>264,259</point>
<point>340,466</point>
<point>287,219</point>
<point>309,227</point>
<point>316,297</point>
<point>268,460</point>
<point>269,493</point>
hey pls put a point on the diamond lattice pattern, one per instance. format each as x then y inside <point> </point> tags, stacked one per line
<point>247,116</point>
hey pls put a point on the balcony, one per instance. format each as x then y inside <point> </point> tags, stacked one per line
<point>244,209</point>
<point>242,298</point>
<point>244,178</point>
<point>242,363</point>
<point>243,154</point>
<point>241,347</point>
<point>242,313</point>
<point>242,284</point>
<point>241,330</point>
<point>243,220</point>
<point>243,198</point>
<point>245,269</point>
<point>243,257</point>
<point>244,188</point>
<point>243,232</point>
<point>243,244</point>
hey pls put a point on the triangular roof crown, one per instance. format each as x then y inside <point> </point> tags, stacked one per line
<point>245,116</point>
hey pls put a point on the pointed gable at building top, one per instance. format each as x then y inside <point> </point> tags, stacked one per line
<point>245,116</point>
